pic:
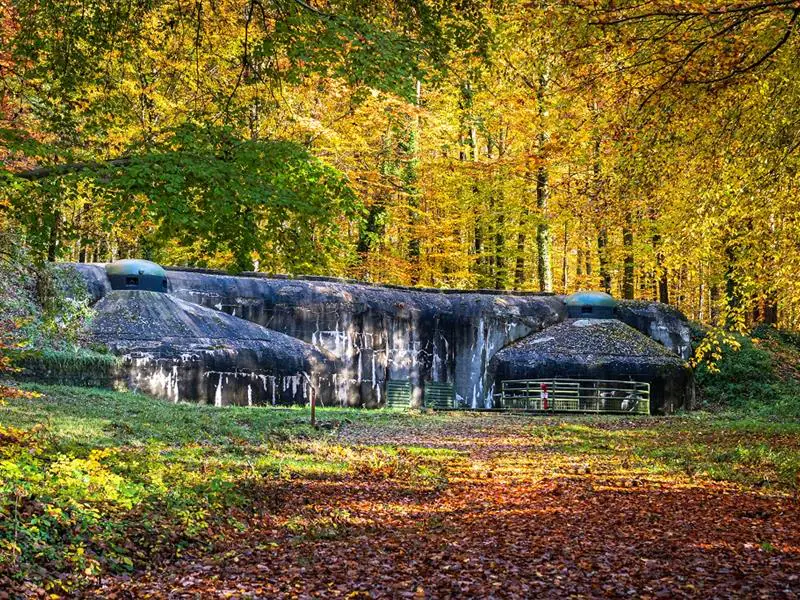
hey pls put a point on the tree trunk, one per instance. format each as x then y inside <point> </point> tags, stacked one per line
<point>519,267</point>
<point>602,256</point>
<point>628,284</point>
<point>713,301</point>
<point>411,185</point>
<point>596,201</point>
<point>733,299</point>
<point>545,268</point>
<point>565,261</point>
<point>771,308</point>
<point>499,258</point>
<point>663,285</point>
<point>500,274</point>
<point>588,257</point>
<point>662,277</point>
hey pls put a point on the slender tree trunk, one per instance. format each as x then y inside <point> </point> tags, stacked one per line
<point>662,276</point>
<point>596,199</point>
<point>519,261</point>
<point>519,266</point>
<point>588,256</point>
<point>713,301</point>
<point>499,256</point>
<point>602,255</point>
<point>565,261</point>
<point>411,182</point>
<point>771,308</point>
<point>733,297</point>
<point>663,284</point>
<point>628,284</point>
<point>545,268</point>
<point>500,274</point>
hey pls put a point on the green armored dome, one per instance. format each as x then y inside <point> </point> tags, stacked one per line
<point>137,274</point>
<point>590,305</point>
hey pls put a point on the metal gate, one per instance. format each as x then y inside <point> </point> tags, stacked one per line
<point>439,395</point>
<point>575,395</point>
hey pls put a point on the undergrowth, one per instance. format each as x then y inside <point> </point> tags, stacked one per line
<point>761,378</point>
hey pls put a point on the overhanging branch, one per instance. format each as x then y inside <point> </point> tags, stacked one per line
<point>56,170</point>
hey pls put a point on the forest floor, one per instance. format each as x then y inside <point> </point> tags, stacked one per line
<point>256,504</point>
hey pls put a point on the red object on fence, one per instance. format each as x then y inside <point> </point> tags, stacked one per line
<point>544,396</point>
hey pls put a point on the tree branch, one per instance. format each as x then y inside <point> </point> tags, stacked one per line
<point>56,170</point>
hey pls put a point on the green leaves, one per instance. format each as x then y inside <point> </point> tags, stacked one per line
<point>269,201</point>
<point>345,47</point>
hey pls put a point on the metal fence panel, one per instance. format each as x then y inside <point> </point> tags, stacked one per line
<point>575,395</point>
<point>439,395</point>
<point>398,393</point>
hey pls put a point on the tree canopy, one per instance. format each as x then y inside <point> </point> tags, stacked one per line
<point>649,149</point>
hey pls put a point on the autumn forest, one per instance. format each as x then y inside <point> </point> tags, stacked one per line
<point>647,149</point>
<point>310,299</point>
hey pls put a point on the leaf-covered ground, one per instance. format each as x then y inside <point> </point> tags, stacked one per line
<point>110,495</point>
<point>506,507</point>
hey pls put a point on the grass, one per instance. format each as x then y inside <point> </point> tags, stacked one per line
<point>95,481</point>
<point>749,452</point>
<point>104,418</point>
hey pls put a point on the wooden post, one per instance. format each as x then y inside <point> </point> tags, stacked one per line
<point>313,406</point>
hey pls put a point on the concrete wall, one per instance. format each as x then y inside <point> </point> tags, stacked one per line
<point>381,333</point>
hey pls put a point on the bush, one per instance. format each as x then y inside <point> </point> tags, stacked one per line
<point>758,378</point>
<point>72,366</point>
<point>43,312</point>
<point>48,306</point>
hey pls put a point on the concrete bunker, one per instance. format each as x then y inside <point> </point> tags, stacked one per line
<point>372,345</point>
<point>592,346</point>
<point>177,350</point>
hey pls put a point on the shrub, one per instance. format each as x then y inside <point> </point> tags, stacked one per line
<point>757,374</point>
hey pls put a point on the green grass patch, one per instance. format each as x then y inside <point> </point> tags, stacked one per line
<point>95,481</point>
<point>749,451</point>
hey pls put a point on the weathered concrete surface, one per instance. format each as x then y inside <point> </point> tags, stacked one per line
<point>178,350</point>
<point>382,333</point>
<point>661,322</point>
<point>599,349</point>
<point>94,274</point>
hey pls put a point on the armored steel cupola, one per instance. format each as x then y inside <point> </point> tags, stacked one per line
<point>590,305</point>
<point>137,274</point>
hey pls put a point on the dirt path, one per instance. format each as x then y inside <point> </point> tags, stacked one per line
<point>516,518</point>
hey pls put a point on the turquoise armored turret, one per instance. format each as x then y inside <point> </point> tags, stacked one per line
<point>590,305</point>
<point>136,274</point>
